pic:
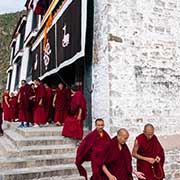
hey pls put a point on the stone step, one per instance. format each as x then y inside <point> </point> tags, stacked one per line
<point>40,172</point>
<point>51,130</point>
<point>19,140</point>
<point>46,150</point>
<point>7,149</point>
<point>71,177</point>
<point>36,161</point>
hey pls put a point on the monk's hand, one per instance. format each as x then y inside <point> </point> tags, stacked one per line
<point>40,103</point>
<point>140,175</point>
<point>112,177</point>
<point>151,160</point>
<point>79,118</point>
<point>157,159</point>
<point>53,105</point>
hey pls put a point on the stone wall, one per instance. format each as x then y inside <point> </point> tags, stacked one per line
<point>136,70</point>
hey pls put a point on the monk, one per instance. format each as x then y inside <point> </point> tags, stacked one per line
<point>49,100</point>
<point>149,154</point>
<point>1,120</point>
<point>6,105</point>
<point>13,107</point>
<point>73,125</point>
<point>24,94</point>
<point>60,103</point>
<point>39,106</point>
<point>90,148</point>
<point>115,159</point>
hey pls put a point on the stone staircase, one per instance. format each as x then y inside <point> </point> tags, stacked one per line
<point>37,153</point>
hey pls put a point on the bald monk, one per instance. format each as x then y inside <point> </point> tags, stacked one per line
<point>1,120</point>
<point>39,106</point>
<point>116,161</point>
<point>13,107</point>
<point>49,100</point>
<point>90,148</point>
<point>73,125</point>
<point>149,154</point>
<point>6,105</point>
<point>24,94</point>
<point>60,103</point>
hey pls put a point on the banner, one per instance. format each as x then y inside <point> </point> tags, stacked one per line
<point>69,32</point>
<point>36,58</point>
<point>65,41</point>
<point>48,56</point>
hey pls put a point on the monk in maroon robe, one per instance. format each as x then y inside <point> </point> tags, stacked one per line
<point>39,107</point>
<point>116,160</point>
<point>13,107</point>
<point>49,100</point>
<point>149,154</point>
<point>1,120</point>
<point>90,148</point>
<point>6,106</point>
<point>60,103</point>
<point>24,95</point>
<point>73,125</point>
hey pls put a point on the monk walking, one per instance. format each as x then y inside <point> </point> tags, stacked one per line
<point>6,105</point>
<point>49,100</point>
<point>73,125</point>
<point>13,107</point>
<point>90,148</point>
<point>60,103</point>
<point>24,95</point>
<point>149,154</point>
<point>39,107</point>
<point>1,120</point>
<point>116,160</point>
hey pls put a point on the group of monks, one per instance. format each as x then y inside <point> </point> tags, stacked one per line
<point>112,160</point>
<point>37,103</point>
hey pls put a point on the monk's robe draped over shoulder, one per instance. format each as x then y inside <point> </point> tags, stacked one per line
<point>150,148</point>
<point>39,110</point>
<point>6,109</point>
<point>89,150</point>
<point>24,105</point>
<point>61,105</point>
<point>13,108</point>
<point>117,161</point>
<point>48,104</point>
<point>72,126</point>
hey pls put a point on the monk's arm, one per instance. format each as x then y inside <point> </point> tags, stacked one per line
<point>138,156</point>
<point>54,100</point>
<point>79,114</point>
<point>108,174</point>
<point>6,101</point>
<point>40,102</point>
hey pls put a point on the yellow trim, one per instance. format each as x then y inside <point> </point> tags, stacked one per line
<point>49,12</point>
<point>50,9</point>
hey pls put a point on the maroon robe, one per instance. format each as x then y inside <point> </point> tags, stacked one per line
<point>13,108</point>
<point>1,120</point>
<point>24,105</point>
<point>89,150</point>
<point>72,126</point>
<point>117,161</point>
<point>150,148</point>
<point>48,105</point>
<point>6,109</point>
<point>61,105</point>
<point>39,110</point>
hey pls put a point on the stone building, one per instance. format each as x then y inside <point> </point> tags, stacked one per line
<point>131,71</point>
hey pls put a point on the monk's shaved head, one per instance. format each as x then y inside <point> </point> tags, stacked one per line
<point>149,130</point>
<point>99,119</point>
<point>148,126</point>
<point>122,135</point>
